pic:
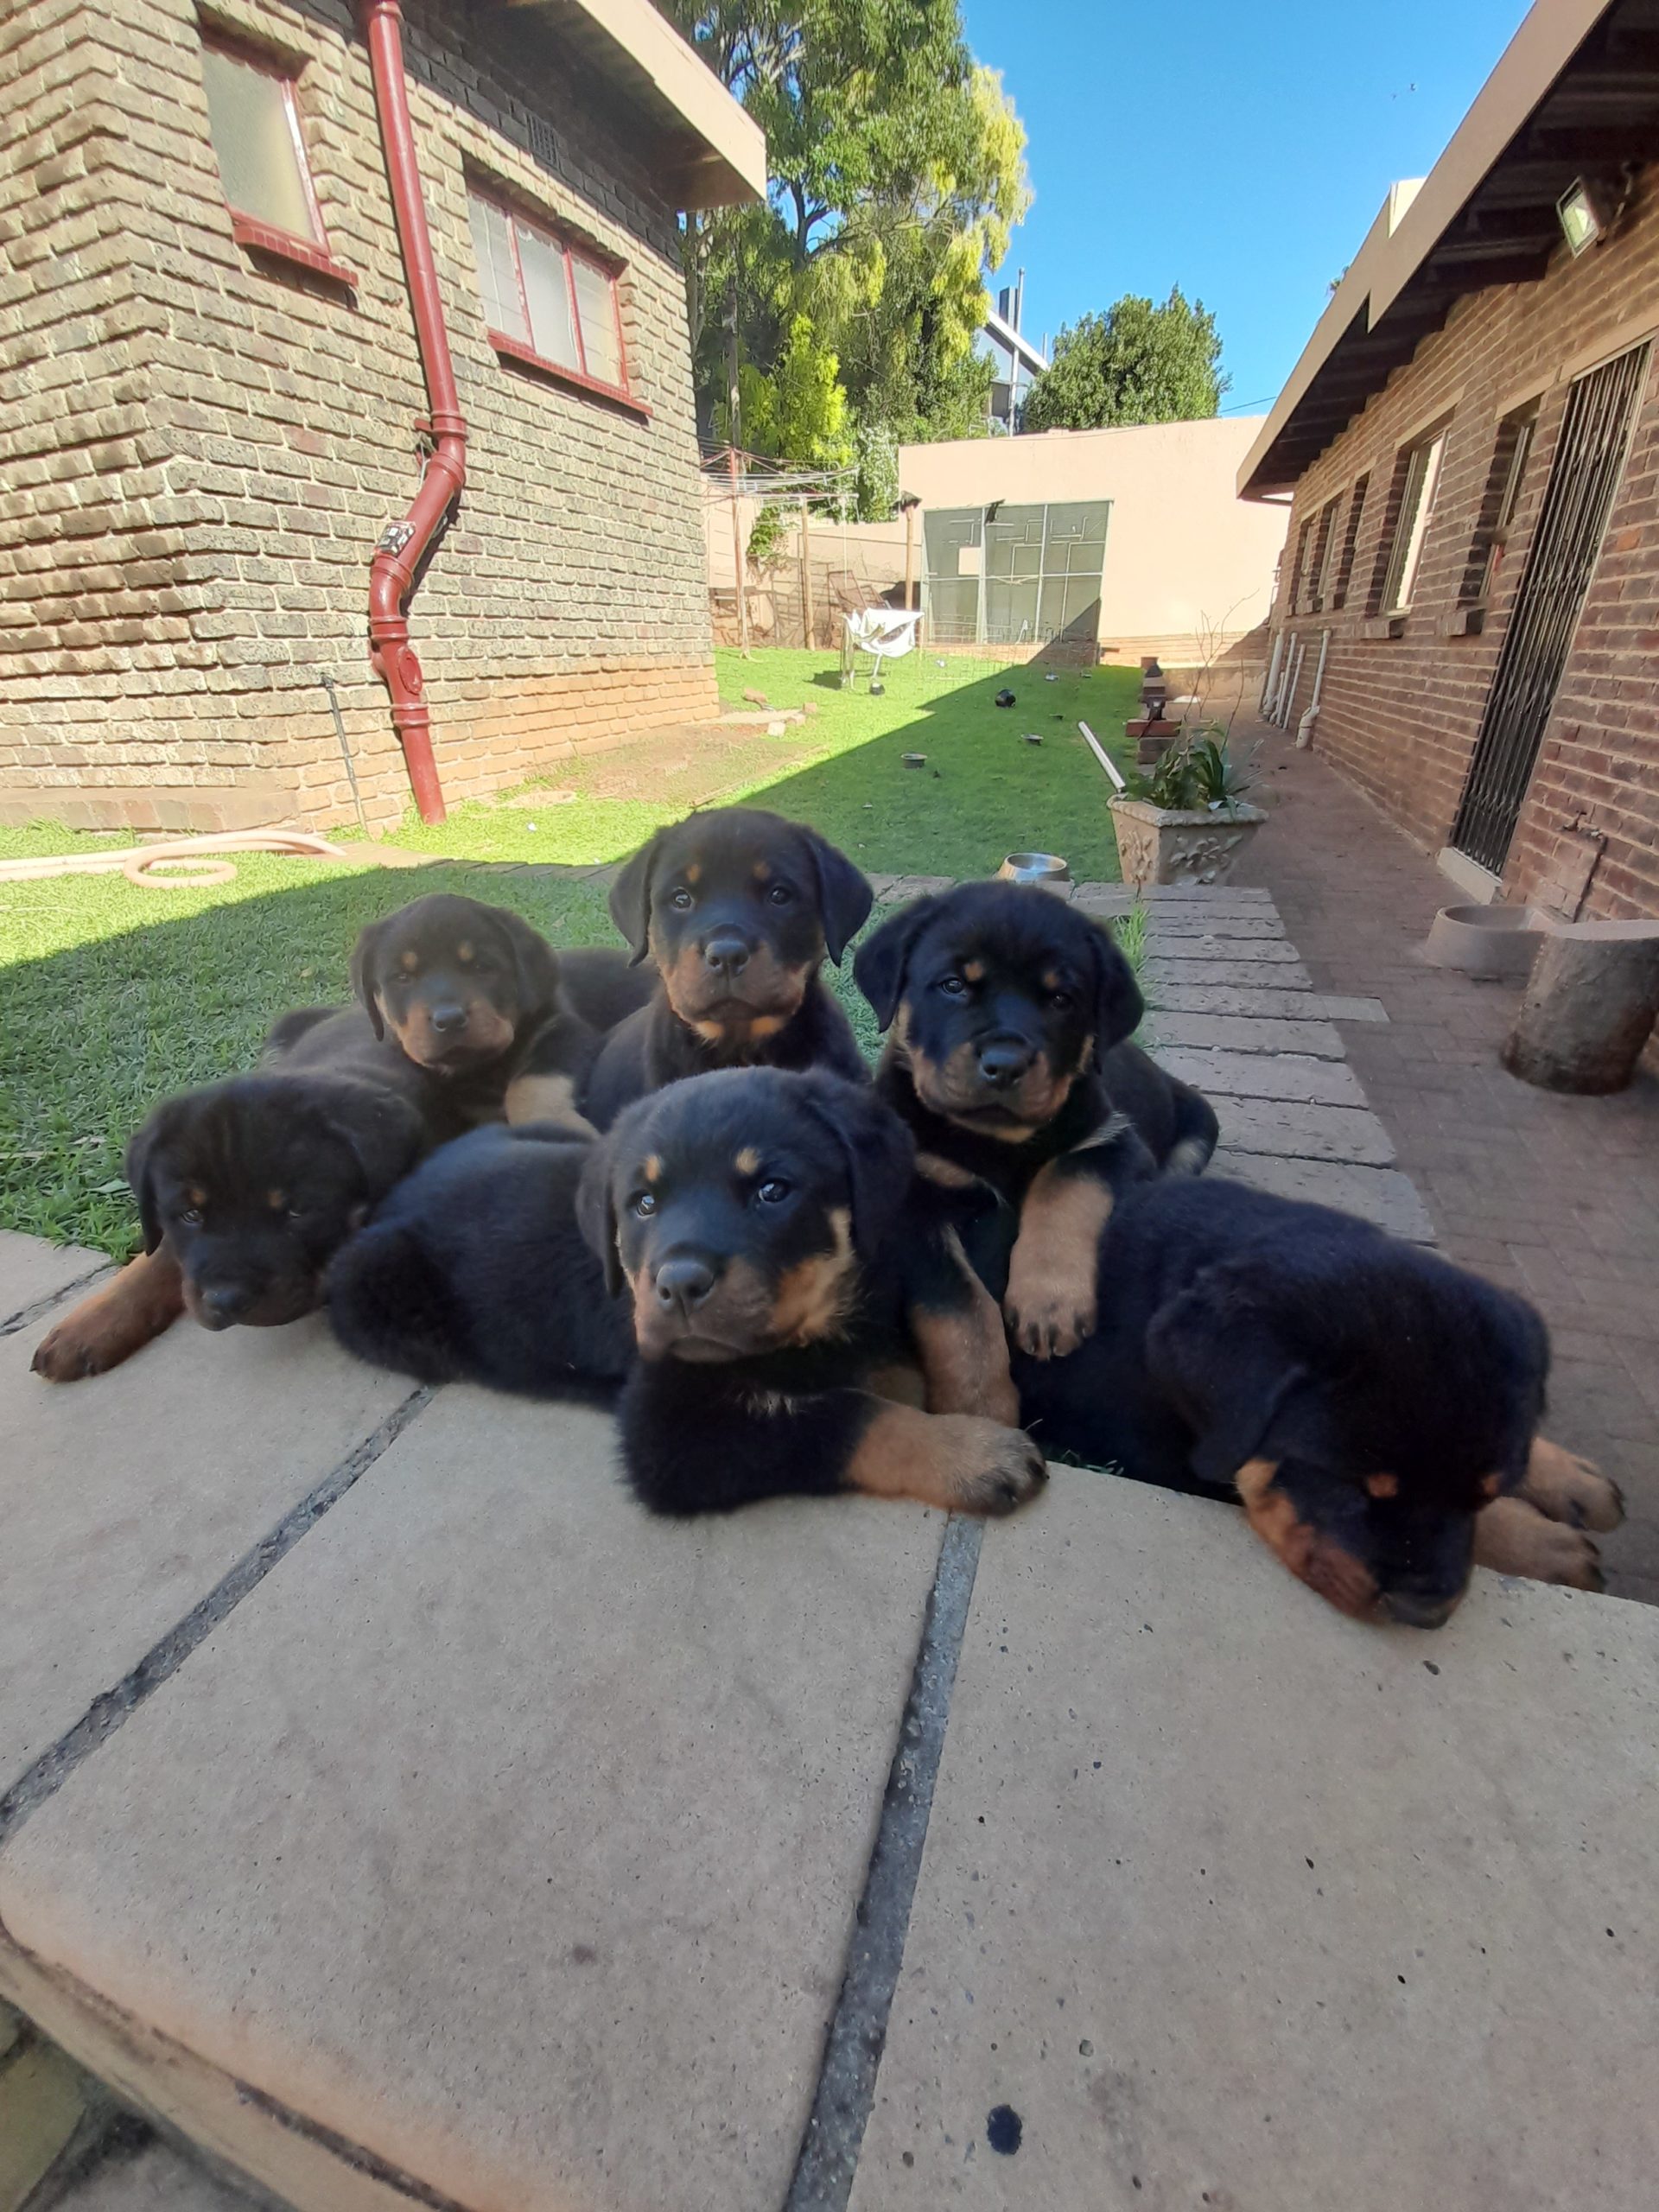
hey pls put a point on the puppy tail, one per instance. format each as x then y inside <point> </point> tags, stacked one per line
<point>391,1305</point>
<point>1196,1131</point>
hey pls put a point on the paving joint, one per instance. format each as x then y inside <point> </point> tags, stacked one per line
<point>110,1709</point>
<point>828,2159</point>
<point>40,1307</point>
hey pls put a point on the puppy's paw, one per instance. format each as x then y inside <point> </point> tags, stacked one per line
<point>1570,1490</point>
<point>993,1470</point>
<point>72,1350</point>
<point>1513,1538</point>
<point>1048,1327</point>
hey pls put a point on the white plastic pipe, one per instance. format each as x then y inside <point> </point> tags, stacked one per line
<point>1104,757</point>
<point>1305,728</point>
<point>1270,687</point>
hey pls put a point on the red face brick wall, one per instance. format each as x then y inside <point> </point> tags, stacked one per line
<point>1400,715</point>
<point>199,448</point>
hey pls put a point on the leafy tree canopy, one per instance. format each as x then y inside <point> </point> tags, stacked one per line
<point>1136,363</point>
<point>897,169</point>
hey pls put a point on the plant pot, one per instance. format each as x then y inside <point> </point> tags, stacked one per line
<point>1161,844</point>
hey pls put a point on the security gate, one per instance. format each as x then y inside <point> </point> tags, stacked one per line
<point>1578,500</point>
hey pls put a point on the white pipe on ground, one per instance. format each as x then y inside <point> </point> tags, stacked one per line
<point>1305,728</point>
<point>1270,687</point>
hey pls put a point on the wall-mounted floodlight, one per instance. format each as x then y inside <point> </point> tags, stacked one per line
<point>1586,210</point>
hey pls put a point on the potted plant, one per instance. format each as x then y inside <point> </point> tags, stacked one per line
<point>1188,821</point>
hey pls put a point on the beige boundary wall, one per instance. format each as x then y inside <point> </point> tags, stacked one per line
<point>1186,557</point>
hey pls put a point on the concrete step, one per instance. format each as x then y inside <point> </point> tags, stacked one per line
<point>1170,992</point>
<point>1227,1900</point>
<point>1288,1074</point>
<point>1262,1036</point>
<point>1299,1131</point>
<point>1380,1194</point>
<point>1226,953</point>
<point>1162,972</point>
<point>503,1847</point>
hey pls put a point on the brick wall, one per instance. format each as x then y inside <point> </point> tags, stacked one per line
<point>199,447</point>
<point>1400,713</point>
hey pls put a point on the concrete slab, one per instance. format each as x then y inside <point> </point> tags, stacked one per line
<point>1246,1032</point>
<point>1281,1003</point>
<point>1235,1903</point>
<point>156,2178</point>
<point>1297,1131</point>
<point>125,1498</point>
<point>1256,928</point>
<point>1380,1194</point>
<point>1265,1075</point>
<point>504,1834</point>
<point>32,1272</point>
<point>1166,966</point>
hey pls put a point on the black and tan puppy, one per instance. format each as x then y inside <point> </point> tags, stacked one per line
<point>1375,1408</point>
<point>735,910</point>
<point>750,1218</point>
<point>470,993</point>
<point>245,1191</point>
<point>1007,1013</point>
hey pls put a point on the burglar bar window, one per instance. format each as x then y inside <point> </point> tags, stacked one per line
<point>255,134</point>
<point>1501,496</point>
<point>1300,568</point>
<point>1422,477</point>
<point>1350,541</point>
<point>1324,547</point>
<point>545,300</point>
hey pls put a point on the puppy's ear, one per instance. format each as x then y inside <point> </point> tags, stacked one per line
<point>596,1211</point>
<point>163,1124</point>
<point>1215,1353</point>
<point>631,897</point>
<point>1118,1003</point>
<point>535,962</point>
<point>386,1135</point>
<point>882,961</point>
<point>879,1150</point>
<point>844,895</point>
<point>365,972</point>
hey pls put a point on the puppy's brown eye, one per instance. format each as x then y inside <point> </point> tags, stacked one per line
<point>772,1192</point>
<point>1059,999</point>
<point>643,1204</point>
<point>780,895</point>
<point>681,900</point>
<point>953,987</point>
<point>191,1216</point>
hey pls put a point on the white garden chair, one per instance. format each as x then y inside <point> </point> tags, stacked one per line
<point>883,633</point>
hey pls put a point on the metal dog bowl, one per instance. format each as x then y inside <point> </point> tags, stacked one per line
<point>1034,868</point>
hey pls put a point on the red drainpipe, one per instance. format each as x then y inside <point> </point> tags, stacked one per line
<point>397,556</point>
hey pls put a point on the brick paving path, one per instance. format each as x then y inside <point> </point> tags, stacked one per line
<point>1557,1198</point>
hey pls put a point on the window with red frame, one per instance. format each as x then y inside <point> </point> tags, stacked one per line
<point>255,126</point>
<point>546,298</point>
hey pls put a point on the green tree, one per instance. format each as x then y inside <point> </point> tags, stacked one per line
<point>1136,363</point>
<point>896,169</point>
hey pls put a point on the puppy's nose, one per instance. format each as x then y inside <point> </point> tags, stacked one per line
<point>727,954</point>
<point>447,1019</point>
<point>683,1284</point>
<point>1004,1061</point>
<point>223,1304</point>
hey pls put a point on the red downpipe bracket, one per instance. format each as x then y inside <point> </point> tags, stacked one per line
<point>397,556</point>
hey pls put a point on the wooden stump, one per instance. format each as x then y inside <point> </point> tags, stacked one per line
<point>1589,1007</point>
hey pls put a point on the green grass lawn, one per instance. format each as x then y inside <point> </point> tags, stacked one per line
<point>111,996</point>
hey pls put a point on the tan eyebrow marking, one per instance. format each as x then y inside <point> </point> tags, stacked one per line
<point>1051,979</point>
<point>748,1162</point>
<point>653,1167</point>
<point>409,962</point>
<point>464,950</point>
<point>974,971</point>
<point>1382,1485</point>
<point>196,1196</point>
<point>763,871</point>
<point>693,873</point>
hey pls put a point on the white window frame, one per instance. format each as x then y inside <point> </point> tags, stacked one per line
<point>1424,466</point>
<point>514,348</point>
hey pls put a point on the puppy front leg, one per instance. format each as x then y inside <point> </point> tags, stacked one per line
<point>955,1461</point>
<point>956,1328</point>
<point>550,1080</point>
<point>1050,1299</point>
<point>145,1298</point>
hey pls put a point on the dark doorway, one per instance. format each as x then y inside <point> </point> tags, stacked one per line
<point>1583,479</point>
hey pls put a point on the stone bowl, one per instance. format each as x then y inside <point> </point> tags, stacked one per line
<point>1495,942</point>
<point>1034,868</point>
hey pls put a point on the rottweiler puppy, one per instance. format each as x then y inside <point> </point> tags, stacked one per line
<point>245,1189</point>
<point>474,1270</point>
<point>470,993</point>
<point>735,910</point>
<point>1375,1408</point>
<point>750,1215</point>
<point>1007,1012</point>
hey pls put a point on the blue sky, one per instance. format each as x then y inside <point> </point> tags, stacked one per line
<point>1237,148</point>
